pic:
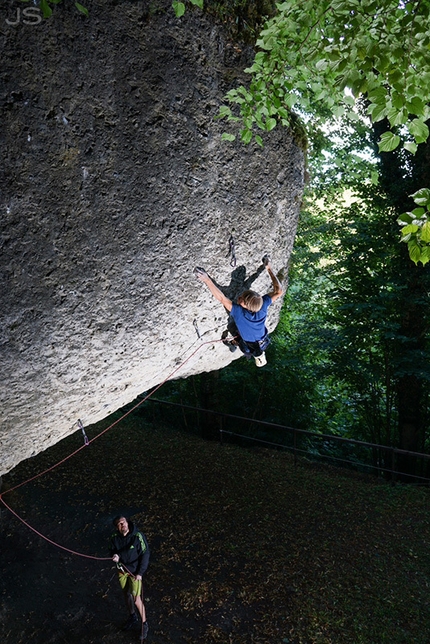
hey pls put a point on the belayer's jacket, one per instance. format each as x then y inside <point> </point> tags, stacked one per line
<point>133,550</point>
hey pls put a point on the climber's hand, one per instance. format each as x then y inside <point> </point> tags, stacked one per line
<point>201,274</point>
<point>266,262</point>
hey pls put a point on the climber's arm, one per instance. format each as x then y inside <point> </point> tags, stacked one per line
<point>277,290</point>
<point>218,295</point>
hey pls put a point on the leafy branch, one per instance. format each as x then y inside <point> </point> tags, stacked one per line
<point>351,49</point>
<point>416,232</point>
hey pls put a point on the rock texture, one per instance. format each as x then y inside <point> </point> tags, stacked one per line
<point>115,184</point>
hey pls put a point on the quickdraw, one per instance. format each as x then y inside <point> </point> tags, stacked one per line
<point>81,427</point>
<point>197,329</point>
<point>232,251</point>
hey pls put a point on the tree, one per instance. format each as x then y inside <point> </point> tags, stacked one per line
<point>319,57</point>
<point>371,328</point>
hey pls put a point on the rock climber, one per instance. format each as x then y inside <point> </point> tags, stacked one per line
<point>248,315</point>
<point>129,550</point>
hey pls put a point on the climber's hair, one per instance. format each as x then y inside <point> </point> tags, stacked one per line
<point>252,301</point>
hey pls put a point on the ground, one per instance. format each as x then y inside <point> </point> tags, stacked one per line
<point>246,547</point>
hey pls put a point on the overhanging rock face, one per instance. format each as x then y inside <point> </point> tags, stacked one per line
<point>115,184</point>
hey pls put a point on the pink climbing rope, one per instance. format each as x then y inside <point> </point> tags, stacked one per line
<point>73,552</point>
<point>88,442</point>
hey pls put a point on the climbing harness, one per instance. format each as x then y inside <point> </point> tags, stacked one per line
<point>232,250</point>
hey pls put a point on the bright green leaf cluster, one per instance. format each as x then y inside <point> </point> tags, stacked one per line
<point>320,56</point>
<point>416,227</point>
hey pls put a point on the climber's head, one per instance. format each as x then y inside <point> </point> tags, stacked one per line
<point>250,300</point>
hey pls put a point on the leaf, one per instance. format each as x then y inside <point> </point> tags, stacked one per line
<point>414,251</point>
<point>425,255</point>
<point>410,146</point>
<point>270,124</point>
<point>419,130</point>
<point>397,117</point>
<point>322,64</point>
<point>378,95</point>
<point>227,137</point>
<point>377,112</point>
<point>231,94</point>
<point>224,111</point>
<point>416,106</point>
<point>421,197</point>
<point>198,3</point>
<point>259,140</point>
<point>246,135</point>
<point>178,8</point>
<point>405,218</point>
<point>425,232</point>
<point>388,142</point>
<point>338,111</point>
<point>82,9</point>
<point>418,212</point>
<point>46,9</point>
<point>409,229</point>
<point>397,100</point>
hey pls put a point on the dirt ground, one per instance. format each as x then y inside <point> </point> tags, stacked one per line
<point>245,547</point>
<point>50,595</point>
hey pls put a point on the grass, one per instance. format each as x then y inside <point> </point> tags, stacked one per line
<point>246,547</point>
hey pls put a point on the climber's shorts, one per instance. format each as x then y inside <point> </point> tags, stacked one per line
<point>129,584</point>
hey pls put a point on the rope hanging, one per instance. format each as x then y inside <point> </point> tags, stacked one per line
<point>86,443</point>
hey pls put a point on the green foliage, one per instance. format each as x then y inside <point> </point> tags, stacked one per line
<point>179,7</point>
<point>320,57</point>
<point>45,6</point>
<point>354,299</point>
<point>82,9</point>
<point>416,232</point>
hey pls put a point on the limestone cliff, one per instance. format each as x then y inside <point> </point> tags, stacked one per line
<point>114,185</point>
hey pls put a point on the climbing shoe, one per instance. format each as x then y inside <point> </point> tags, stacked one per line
<point>131,621</point>
<point>260,361</point>
<point>144,633</point>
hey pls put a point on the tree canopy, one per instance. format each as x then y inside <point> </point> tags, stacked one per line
<point>320,57</point>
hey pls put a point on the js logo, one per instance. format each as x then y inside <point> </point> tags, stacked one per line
<point>29,16</point>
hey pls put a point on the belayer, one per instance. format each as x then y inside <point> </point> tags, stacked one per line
<point>248,315</point>
<point>129,550</point>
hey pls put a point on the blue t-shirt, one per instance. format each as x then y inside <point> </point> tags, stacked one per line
<point>251,325</point>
